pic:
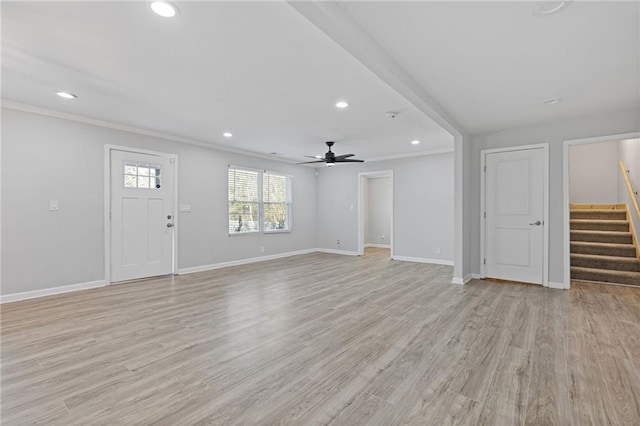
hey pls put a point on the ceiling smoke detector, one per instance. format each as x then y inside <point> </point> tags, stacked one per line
<point>391,114</point>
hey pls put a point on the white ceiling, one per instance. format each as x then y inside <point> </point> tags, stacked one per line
<point>258,70</point>
<point>269,75</point>
<point>491,64</point>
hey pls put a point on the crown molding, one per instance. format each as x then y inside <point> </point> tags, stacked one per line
<point>132,129</point>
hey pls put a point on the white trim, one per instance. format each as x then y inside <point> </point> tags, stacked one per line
<point>132,129</point>
<point>556,285</point>
<point>220,265</point>
<point>14,297</point>
<point>476,276</point>
<point>410,155</point>
<point>361,207</point>
<point>342,252</point>
<point>545,244</point>
<point>107,203</point>
<point>566,249</point>
<point>424,260</point>
<point>385,246</point>
<point>461,281</point>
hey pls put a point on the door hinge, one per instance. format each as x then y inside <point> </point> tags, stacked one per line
<point>485,260</point>
<point>172,160</point>
<point>485,215</point>
<point>485,168</point>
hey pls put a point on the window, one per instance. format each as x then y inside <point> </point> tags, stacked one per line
<point>142,176</point>
<point>259,201</point>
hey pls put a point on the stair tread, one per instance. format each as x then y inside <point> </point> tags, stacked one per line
<point>605,258</point>
<point>607,272</point>
<point>607,275</point>
<point>591,231</point>
<point>616,221</point>
<point>604,245</point>
<point>599,210</point>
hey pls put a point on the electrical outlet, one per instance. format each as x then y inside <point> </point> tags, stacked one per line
<point>383,236</point>
<point>338,242</point>
<point>54,206</point>
<point>261,249</point>
<point>437,250</point>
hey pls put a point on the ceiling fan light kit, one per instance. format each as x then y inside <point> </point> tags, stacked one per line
<point>330,158</point>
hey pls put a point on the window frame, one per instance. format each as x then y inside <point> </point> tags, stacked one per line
<point>289,202</point>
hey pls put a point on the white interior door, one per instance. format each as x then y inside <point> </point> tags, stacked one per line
<point>514,204</point>
<point>142,200</point>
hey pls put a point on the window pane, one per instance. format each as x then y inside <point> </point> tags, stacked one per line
<point>130,181</point>
<point>143,181</point>
<point>243,185</point>
<point>130,169</point>
<point>143,171</point>
<point>274,188</point>
<point>243,217</point>
<point>276,216</point>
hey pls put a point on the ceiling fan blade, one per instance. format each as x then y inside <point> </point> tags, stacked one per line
<point>342,157</point>
<point>349,160</point>
<point>314,156</point>
<point>309,162</point>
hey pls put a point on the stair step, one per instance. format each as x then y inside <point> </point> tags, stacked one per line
<point>600,275</point>
<point>603,249</point>
<point>600,225</point>
<point>599,214</point>
<point>613,263</point>
<point>602,237</point>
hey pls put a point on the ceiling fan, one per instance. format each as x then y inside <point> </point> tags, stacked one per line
<point>331,158</point>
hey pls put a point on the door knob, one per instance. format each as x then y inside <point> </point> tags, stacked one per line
<point>169,225</point>
<point>536,223</point>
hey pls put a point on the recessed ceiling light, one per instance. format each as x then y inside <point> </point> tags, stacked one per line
<point>341,104</point>
<point>546,8</point>
<point>163,8</point>
<point>330,164</point>
<point>66,95</point>
<point>415,142</point>
<point>551,101</point>
<point>227,134</point>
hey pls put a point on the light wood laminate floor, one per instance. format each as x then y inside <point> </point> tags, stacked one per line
<point>323,339</point>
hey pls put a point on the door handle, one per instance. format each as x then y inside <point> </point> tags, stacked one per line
<point>169,225</point>
<point>536,223</point>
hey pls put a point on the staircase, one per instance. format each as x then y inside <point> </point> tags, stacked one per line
<point>602,247</point>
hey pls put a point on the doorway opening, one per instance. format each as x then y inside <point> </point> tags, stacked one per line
<point>375,211</point>
<point>140,213</point>
<point>601,217</point>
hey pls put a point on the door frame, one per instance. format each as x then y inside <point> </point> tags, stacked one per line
<point>107,204</point>
<point>566,180</point>
<point>361,207</point>
<point>545,234</point>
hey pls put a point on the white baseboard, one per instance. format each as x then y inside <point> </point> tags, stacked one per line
<point>332,251</point>
<point>385,246</point>
<point>461,281</point>
<point>213,266</point>
<point>14,297</point>
<point>476,276</point>
<point>424,260</point>
<point>556,285</point>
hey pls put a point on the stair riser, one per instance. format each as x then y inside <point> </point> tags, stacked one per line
<point>599,238</point>
<point>596,226</point>
<point>604,251</point>
<point>606,264</point>
<point>586,214</point>
<point>594,276</point>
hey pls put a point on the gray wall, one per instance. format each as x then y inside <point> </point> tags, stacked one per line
<point>593,173</point>
<point>378,213</point>
<point>422,205</point>
<point>46,158</point>
<point>554,134</point>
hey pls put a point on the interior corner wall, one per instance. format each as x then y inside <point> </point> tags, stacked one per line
<point>422,206</point>
<point>593,173</point>
<point>555,134</point>
<point>46,158</point>
<point>629,151</point>
<point>377,224</point>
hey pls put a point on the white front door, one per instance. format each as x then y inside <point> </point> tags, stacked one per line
<point>142,216</point>
<point>514,203</point>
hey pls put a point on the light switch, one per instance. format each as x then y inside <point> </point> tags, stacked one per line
<point>53,205</point>
<point>184,208</point>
